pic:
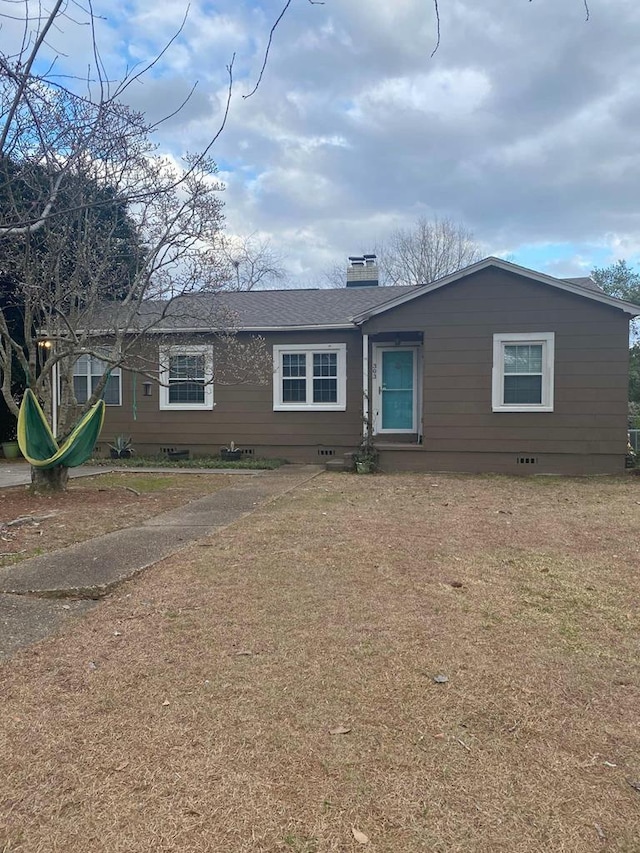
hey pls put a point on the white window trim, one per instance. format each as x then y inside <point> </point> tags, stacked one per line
<point>114,371</point>
<point>547,339</point>
<point>165,354</point>
<point>341,403</point>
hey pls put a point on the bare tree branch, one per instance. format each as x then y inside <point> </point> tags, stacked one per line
<point>585,3</point>
<point>437,10</point>
<point>270,40</point>
<point>428,251</point>
<point>26,72</point>
<point>30,100</point>
<point>266,53</point>
<point>249,263</point>
<point>98,232</point>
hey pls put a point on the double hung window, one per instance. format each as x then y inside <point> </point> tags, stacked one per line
<point>186,377</point>
<point>523,365</point>
<point>87,373</point>
<point>309,377</point>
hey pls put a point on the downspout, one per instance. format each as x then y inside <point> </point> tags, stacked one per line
<point>365,387</point>
<point>55,391</point>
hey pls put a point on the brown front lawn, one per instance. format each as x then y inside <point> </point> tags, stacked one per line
<point>31,525</point>
<point>275,687</point>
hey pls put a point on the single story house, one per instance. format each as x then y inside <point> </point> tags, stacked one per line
<point>495,368</point>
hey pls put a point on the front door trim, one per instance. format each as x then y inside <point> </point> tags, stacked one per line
<point>376,382</point>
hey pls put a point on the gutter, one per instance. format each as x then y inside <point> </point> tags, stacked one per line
<point>203,330</point>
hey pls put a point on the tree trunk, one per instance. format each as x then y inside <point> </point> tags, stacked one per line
<point>49,479</point>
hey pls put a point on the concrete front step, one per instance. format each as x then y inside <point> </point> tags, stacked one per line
<point>345,463</point>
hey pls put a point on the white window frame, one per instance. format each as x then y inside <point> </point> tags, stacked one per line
<point>115,372</point>
<point>310,350</point>
<point>500,340</point>
<point>165,354</point>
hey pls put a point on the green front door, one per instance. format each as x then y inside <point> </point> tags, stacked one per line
<point>397,390</point>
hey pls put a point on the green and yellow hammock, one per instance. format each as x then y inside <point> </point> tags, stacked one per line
<point>38,444</point>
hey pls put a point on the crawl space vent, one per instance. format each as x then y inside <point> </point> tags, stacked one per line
<point>527,460</point>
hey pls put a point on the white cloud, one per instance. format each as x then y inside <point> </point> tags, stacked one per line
<point>624,246</point>
<point>444,95</point>
<point>524,125</point>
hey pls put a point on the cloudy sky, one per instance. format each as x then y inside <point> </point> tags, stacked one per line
<point>523,126</point>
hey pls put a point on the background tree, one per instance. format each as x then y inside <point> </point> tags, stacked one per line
<point>96,230</point>
<point>618,280</point>
<point>621,281</point>
<point>428,251</point>
<point>56,245</point>
<point>249,263</point>
<point>334,277</point>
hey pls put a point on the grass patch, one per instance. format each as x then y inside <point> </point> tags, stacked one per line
<point>200,462</point>
<point>143,483</point>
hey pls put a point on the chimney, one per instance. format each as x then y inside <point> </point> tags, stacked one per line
<point>362,271</point>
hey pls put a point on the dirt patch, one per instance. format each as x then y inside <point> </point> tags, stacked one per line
<point>442,664</point>
<point>31,525</point>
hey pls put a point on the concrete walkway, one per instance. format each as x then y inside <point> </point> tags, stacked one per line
<point>38,595</point>
<point>19,473</point>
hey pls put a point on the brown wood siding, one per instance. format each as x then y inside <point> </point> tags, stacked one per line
<point>459,321</point>
<point>501,463</point>
<point>586,433</point>
<point>244,413</point>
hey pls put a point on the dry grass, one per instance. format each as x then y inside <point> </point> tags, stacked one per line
<point>92,506</point>
<point>193,710</point>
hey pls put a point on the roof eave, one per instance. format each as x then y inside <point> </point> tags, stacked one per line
<point>192,330</point>
<point>322,327</point>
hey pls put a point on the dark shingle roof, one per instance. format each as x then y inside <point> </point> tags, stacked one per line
<point>265,309</point>
<point>585,281</point>
<point>306,307</point>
